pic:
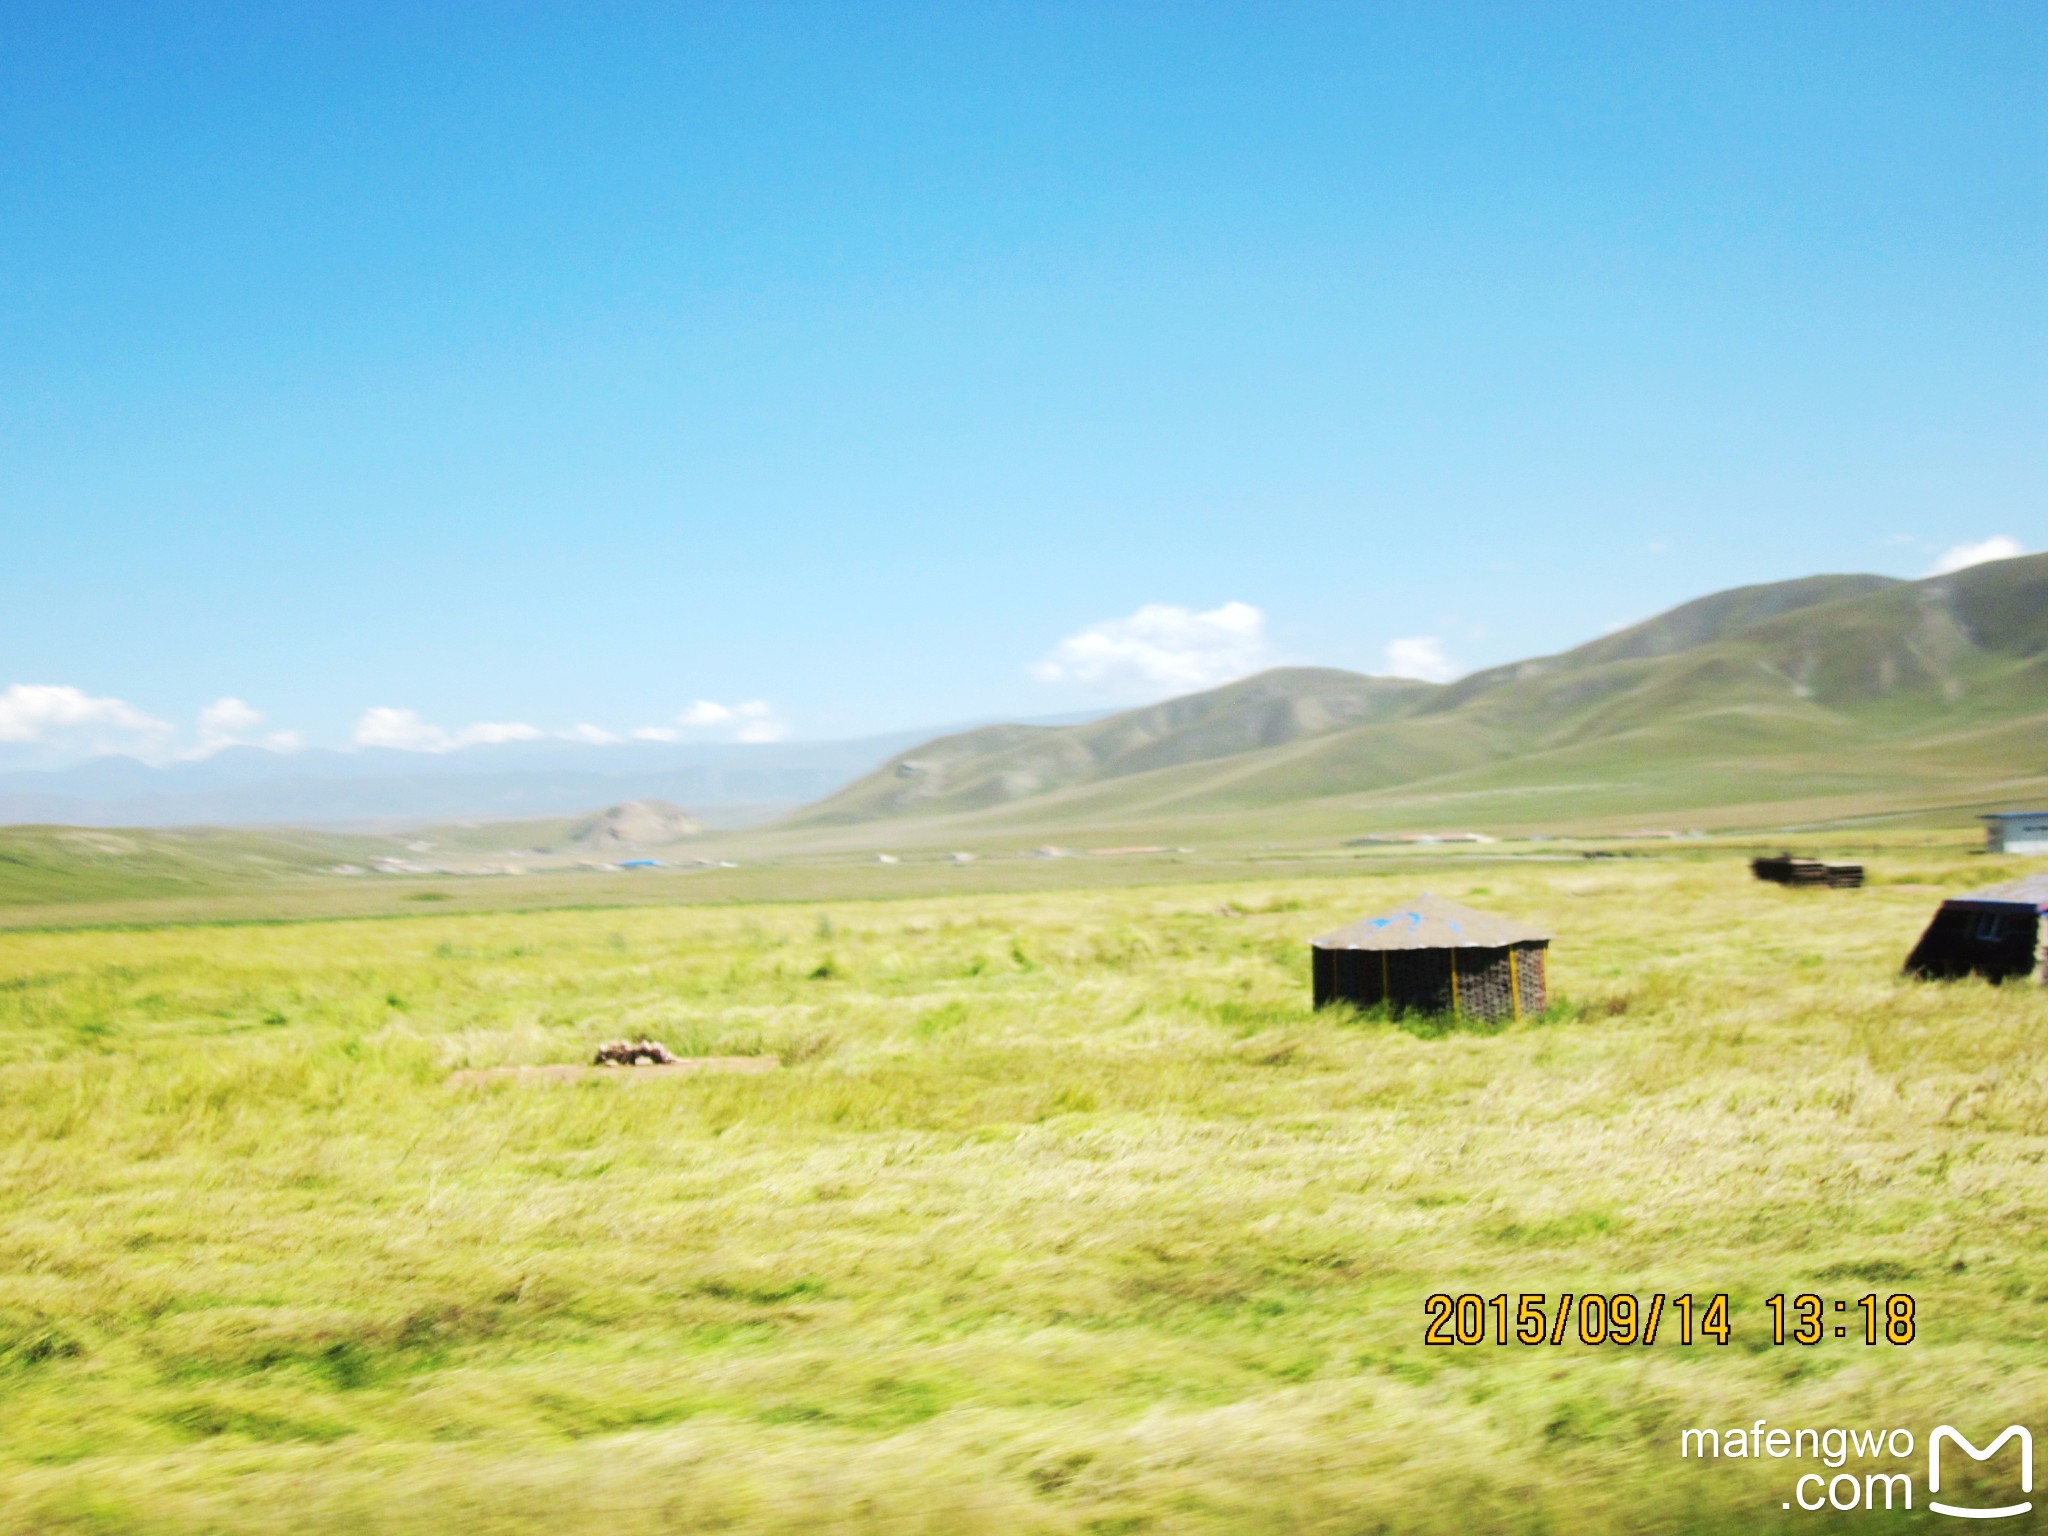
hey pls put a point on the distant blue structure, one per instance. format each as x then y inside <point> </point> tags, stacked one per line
<point>2016,832</point>
<point>640,864</point>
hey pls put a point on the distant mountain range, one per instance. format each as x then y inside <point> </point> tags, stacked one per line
<point>724,783</point>
<point>1800,691</point>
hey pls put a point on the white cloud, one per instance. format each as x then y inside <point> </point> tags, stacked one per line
<point>403,730</point>
<point>1162,648</point>
<point>1421,657</point>
<point>754,721</point>
<point>42,714</point>
<point>492,732</point>
<point>229,722</point>
<point>2000,546</point>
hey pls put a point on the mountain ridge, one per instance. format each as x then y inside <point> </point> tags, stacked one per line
<point>242,786</point>
<point>1762,676</point>
<point>1269,709</point>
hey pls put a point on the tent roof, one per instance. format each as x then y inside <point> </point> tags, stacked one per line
<point>2031,891</point>
<point>1430,922</point>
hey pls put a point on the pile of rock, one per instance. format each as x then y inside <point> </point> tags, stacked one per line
<point>636,824</point>
<point>635,1053</point>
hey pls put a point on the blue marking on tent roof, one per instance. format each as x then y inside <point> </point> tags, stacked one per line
<point>1430,922</point>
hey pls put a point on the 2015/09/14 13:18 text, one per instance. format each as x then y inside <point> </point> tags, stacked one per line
<point>1528,1318</point>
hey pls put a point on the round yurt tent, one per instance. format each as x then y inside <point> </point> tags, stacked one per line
<point>1434,956</point>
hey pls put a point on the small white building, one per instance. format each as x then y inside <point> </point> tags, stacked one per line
<point>2016,832</point>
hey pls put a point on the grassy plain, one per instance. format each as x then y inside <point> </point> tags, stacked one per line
<point>1064,1215</point>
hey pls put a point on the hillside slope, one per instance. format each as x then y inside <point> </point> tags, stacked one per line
<point>74,864</point>
<point>1834,684</point>
<point>1001,763</point>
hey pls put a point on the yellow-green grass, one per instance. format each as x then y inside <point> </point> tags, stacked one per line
<point>1066,1214</point>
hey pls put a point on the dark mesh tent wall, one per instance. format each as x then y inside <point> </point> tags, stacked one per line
<point>1503,983</point>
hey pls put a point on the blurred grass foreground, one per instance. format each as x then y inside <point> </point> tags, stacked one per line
<point>1064,1215</point>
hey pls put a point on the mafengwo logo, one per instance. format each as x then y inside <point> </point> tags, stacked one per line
<point>1948,1434</point>
<point>1884,1487</point>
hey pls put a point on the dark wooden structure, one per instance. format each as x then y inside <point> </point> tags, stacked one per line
<point>1786,870</point>
<point>1993,933</point>
<point>1434,956</point>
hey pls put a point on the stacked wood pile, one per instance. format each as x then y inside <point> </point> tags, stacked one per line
<point>1786,870</point>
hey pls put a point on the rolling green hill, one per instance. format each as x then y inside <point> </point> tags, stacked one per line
<point>1830,687</point>
<point>84,864</point>
<point>1001,763</point>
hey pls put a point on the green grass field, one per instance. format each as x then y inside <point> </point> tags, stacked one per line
<point>1064,1214</point>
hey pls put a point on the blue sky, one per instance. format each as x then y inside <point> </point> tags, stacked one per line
<point>541,367</point>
